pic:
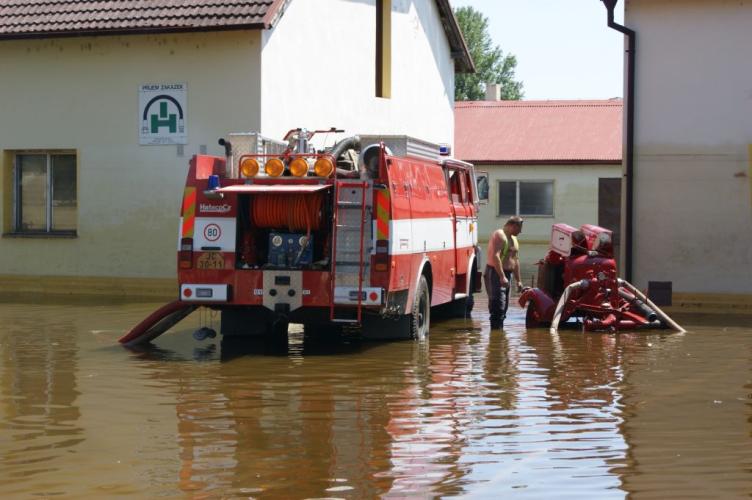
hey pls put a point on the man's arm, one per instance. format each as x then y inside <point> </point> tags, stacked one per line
<point>516,273</point>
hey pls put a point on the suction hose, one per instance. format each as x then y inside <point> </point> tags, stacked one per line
<point>345,144</point>
<point>662,315</point>
<point>562,302</point>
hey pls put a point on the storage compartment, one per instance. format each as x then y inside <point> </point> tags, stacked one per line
<point>284,230</point>
<point>561,239</point>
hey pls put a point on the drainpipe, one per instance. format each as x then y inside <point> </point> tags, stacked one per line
<point>629,150</point>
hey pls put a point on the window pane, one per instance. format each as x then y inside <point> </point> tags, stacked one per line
<point>507,198</point>
<point>32,203</point>
<point>64,203</point>
<point>536,198</point>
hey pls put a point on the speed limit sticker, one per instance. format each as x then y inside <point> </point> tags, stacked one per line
<point>212,232</point>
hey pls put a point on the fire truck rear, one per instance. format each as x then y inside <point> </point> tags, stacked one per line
<point>371,232</point>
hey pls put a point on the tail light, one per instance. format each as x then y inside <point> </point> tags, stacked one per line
<point>381,259</point>
<point>185,254</point>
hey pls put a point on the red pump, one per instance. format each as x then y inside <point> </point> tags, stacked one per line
<point>578,279</point>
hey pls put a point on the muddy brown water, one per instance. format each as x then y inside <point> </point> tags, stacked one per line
<point>469,412</point>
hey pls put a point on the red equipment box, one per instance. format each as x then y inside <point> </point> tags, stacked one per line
<point>599,239</point>
<point>561,238</point>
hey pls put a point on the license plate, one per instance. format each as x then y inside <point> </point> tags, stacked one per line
<point>211,260</point>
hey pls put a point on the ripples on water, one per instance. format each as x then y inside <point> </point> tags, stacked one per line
<point>467,413</point>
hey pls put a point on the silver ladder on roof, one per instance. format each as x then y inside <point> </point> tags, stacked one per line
<point>351,248</point>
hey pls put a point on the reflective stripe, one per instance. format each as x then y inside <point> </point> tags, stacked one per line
<point>382,214</point>
<point>516,245</point>
<point>189,212</point>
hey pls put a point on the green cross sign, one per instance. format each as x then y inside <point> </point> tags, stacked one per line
<point>164,120</point>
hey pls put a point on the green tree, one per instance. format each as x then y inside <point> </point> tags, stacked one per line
<point>491,65</point>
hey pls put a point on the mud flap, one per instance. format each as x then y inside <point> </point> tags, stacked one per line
<point>157,323</point>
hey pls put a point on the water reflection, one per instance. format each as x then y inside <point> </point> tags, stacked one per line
<point>470,412</point>
<point>40,417</point>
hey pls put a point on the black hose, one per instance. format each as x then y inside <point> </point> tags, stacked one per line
<point>345,144</point>
<point>642,308</point>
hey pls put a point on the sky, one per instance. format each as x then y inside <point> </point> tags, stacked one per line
<point>564,49</point>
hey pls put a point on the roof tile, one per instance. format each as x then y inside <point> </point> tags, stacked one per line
<point>29,17</point>
<point>538,131</point>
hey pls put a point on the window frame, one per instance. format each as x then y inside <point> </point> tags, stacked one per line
<point>517,183</point>
<point>16,226</point>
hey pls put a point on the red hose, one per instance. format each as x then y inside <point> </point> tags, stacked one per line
<point>296,212</point>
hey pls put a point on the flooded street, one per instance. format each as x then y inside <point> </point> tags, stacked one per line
<point>469,412</point>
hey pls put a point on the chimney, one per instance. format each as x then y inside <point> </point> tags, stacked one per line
<point>493,91</point>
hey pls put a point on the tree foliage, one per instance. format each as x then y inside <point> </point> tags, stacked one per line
<point>491,65</point>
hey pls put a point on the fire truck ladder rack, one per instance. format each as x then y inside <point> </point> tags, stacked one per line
<point>351,249</point>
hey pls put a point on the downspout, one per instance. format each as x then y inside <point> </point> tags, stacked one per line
<point>629,150</point>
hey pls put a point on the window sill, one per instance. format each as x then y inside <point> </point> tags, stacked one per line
<point>52,235</point>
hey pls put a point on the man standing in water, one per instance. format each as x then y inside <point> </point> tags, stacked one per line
<point>502,264</point>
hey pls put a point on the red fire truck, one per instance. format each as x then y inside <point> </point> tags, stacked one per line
<point>371,233</point>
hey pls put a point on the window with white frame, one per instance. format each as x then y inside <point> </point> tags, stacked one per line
<point>526,198</point>
<point>45,192</point>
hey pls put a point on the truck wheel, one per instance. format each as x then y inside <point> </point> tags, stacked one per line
<point>420,317</point>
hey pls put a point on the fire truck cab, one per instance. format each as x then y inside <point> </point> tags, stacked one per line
<point>370,232</point>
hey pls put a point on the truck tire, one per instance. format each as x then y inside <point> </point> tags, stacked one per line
<point>420,316</point>
<point>378,328</point>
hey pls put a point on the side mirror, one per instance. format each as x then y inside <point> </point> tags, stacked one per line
<point>482,185</point>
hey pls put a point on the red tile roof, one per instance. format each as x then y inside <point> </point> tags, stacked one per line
<point>34,18</point>
<point>538,131</point>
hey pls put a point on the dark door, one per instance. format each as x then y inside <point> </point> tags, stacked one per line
<point>609,207</point>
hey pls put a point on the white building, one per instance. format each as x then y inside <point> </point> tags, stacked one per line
<point>90,196</point>
<point>693,150</point>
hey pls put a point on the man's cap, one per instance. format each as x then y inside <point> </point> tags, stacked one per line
<point>515,219</point>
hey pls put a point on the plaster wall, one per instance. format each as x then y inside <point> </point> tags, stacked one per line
<point>82,94</point>
<point>575,203</point>
<point>693,187</point>
<point>575,197</point>
<point>327,78</point>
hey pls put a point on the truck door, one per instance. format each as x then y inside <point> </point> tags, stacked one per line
<point>462,208</point>
<point>401,237</point>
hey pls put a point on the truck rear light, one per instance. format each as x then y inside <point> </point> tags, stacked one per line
<point>381,259</point>
<point>185,255</point>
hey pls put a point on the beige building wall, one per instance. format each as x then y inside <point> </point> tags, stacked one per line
<point>575,203</point>
<point>693,173</point>
<point>575,196</point>
<point>82,94</point>
<point>330,80</point>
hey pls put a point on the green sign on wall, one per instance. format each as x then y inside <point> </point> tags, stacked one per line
<point>162,114</point>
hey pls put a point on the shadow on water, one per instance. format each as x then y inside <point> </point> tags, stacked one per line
<point>180,346</point>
